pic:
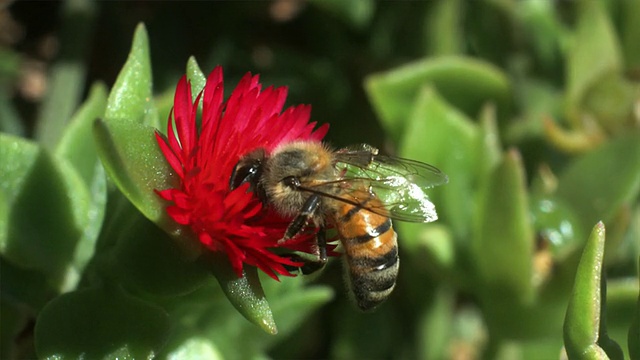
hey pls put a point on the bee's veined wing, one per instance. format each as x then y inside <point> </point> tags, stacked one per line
<point>399,183</point>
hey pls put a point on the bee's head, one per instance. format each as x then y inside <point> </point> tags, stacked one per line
<point>249,169</point>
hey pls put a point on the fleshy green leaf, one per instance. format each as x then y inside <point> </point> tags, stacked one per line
<point>130,154</point>
<point>633,338</point>
<point>435,326</point>
<point>488,148</point>
<point>196,348</point>
<point>503,243</point>
<point>245,293</point>
<point>599,182</point>
<point>196,77</point>
<point>465,83</point>
<point>443,28</point>
<point>77,144</point>
<point>594,53</point>
<point>10,121</point>
<point>292,304</point>
<point>67,76</point>
<point>630,33</point>
<point>584,333</point>
<point>100,323</point>
<point>14,319</point>
<point>146,258</point>
<point>38,189</point>
<point>131,97</point>
<point>440,135</point>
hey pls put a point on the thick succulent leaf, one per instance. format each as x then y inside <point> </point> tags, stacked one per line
<point>245,293</point>
<point>47,205</point>
<point>196,77</point>
<point>10,120</point>
<point>77,145</point>
<point>594,53</point>
<point>15,318</point>
<point>584,334</point>
<point>503,242</point>
<point>66,80</point>
<point>292,303</point>
<point>440,135</point>
<point>435,326</point>
<point>598,183</point>
<point>100,323</point>
<point>196,348</point>
<point>131,156</point>
<point>465,83</point>
<point>622,304</point>
<point>443,28</point>
<point>131,97</point>
<point>488,148</point>
<point>633,338</point>
<point>630,33</point>
<point>148,260</point>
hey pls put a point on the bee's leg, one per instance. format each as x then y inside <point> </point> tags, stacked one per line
<point>311,266</point>
<point>306,213</point>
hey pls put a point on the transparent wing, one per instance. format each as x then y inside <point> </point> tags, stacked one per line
<point>398,183</point>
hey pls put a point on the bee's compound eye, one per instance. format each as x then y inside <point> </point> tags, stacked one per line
<point>291,181</point>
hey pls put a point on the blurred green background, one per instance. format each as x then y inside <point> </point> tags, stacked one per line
<point>531,107</point>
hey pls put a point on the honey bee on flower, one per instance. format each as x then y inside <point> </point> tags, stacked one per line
<point>255,179</point>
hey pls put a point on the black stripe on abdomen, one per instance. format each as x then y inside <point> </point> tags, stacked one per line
<point>373,233</point>
<point>372,279</point>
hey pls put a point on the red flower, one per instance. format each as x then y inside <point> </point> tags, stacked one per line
<point>204,158</point>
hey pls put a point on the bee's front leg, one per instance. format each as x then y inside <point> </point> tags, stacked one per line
<point>304,217</point>
<point>311,266</point>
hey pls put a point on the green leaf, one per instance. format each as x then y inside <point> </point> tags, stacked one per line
<point>630,33</point>
<point>488,147</point>
<point>48,211</point>
<point>440,135</point>
<point>584,334</point>
<point>594,53</point>
<point>443,29</point>
<point>10,121</point>
<point>292,304</point>
<point>100,323</point>
<point>599,182</point>
<point>503,243</point>
<point>435,326</point>
<point>15,318</point>
<point>633,338</point>
<point>131,97</point>
<point>196,77</point>
<point>196,348</point>
<point>147,259</point>
<point>245,293</point>
<point>465,83</point>
<point>132,158</point>
<point>77,145</point>
<point>622,304</point>
<point>68,74</point>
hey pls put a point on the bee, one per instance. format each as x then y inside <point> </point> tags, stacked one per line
<point>354,190</point>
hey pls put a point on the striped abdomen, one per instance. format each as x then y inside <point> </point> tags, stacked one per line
<point>371,251</point>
